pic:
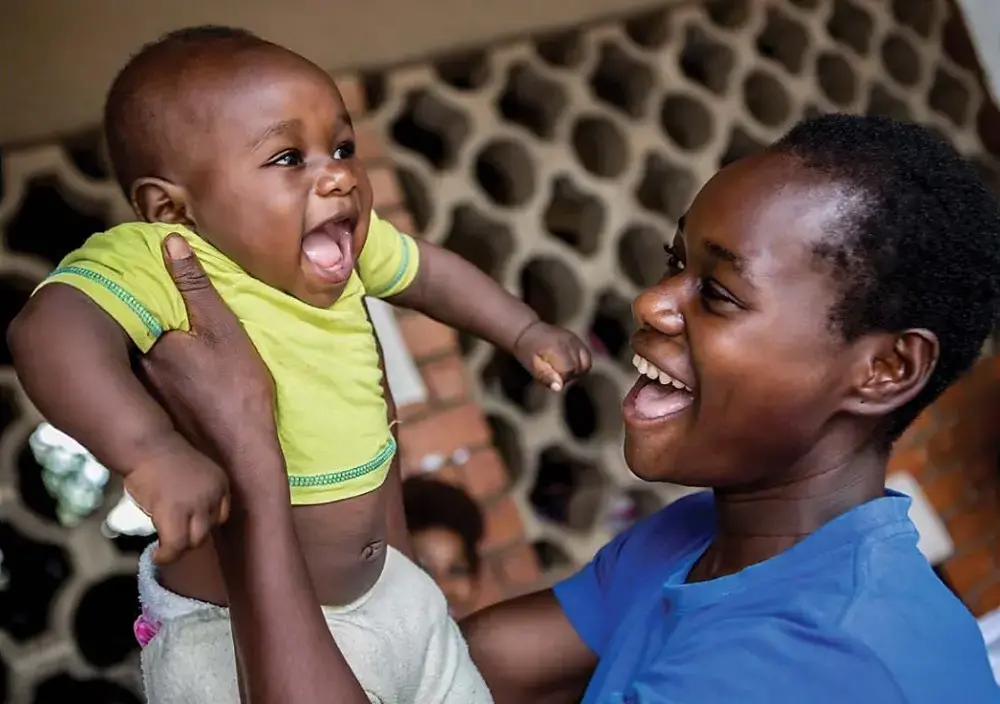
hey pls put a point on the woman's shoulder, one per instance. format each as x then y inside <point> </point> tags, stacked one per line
<point>691,516</point>
<point>667,536</point>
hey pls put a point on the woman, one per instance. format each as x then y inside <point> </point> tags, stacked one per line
<point>818,296</point>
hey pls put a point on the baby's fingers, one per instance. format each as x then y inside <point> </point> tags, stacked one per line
<point>545,373</point>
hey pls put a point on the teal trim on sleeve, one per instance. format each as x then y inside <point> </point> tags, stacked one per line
<point>346,475</point>
<point>147,318</point>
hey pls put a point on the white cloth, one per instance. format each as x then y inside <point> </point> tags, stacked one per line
<point>398,639</point>
<point>990,626</point>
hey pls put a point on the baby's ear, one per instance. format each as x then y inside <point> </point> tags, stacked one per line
<point>158,200</point>
<point>897,368</point>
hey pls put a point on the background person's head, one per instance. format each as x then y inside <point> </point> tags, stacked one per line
<point>817,297</point>
<point>446,527</point>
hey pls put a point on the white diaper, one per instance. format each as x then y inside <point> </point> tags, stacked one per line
<point>398,639</point>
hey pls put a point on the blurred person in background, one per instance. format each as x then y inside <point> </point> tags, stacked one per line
<point>446,527</point>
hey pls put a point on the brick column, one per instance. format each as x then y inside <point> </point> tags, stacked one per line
<point>953,450</point>
<point>448,435</point>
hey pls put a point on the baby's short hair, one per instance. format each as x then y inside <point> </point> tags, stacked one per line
<point>134,112</point>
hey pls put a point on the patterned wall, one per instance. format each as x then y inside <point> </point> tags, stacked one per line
<point>558,165</point>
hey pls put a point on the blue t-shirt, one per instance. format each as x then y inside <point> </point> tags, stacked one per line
<point>852,614</point>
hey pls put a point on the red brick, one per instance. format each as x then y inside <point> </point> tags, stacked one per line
<point>973,436</point>
<point>996,551</point>
<point>386,188</point>
<point>941,448</point>
<point>974,526</point>
<point>353,93</point>
<point>444,432</point>
<point>952,401</point>
<point>920,427</point>
<point>912,461</point>
<point>485,474</point>
<point>969,571</point>
<point>519,566</point>
<point>445,379</point>
<point>981,469</point>
<point>371,146</point>
<point>988,600</point>
<point>411,412</point>
<point>946,491</point>
<point>503,525</point>
<point>426,337</point>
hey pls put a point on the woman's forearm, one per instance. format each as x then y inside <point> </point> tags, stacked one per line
<point>286,651</point>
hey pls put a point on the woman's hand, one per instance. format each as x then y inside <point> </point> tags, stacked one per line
<point>211,379</point>
<point>214,384</point>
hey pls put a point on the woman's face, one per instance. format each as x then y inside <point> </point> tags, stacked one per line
<point>441,554</point>
<point>740,321</point>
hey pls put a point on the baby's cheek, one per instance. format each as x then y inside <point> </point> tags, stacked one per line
<point>360,237</point>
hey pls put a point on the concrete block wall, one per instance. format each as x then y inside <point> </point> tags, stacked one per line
<point>559,165</point>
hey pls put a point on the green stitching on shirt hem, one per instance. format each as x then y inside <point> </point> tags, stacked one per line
<point>147,318</point>
<point>346,475</point>
<point>403,266</point>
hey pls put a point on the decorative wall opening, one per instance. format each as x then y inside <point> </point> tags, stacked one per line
<point>558,165</point>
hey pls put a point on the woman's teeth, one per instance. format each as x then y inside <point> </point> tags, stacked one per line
<point>647,368</point>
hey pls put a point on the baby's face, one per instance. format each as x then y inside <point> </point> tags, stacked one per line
<point>274,181</point>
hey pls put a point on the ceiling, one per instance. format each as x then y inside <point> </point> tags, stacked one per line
<point>57,57</point>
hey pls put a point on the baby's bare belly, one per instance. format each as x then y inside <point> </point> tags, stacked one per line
<point>344,545</point>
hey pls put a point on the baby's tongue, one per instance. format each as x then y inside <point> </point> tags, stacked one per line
<point>322,250</point>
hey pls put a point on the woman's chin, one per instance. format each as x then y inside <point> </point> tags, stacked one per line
<point>661,462</point>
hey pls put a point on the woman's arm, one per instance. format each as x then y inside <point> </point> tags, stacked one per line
<point>528,651</point>
<point>285,650</point>
<point>214,384</point>
<point>211,380</point>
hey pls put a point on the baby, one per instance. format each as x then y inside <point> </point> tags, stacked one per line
<point>246,150</point>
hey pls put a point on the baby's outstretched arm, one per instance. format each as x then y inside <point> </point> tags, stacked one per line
<point>456,293</point>
<point>73,361</point>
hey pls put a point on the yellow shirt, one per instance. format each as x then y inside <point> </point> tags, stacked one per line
<point>330,408</point>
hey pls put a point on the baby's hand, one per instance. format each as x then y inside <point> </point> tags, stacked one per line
<point>184,493</point>
<point>553,355</point>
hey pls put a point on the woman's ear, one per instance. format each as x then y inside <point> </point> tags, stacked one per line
<point>896,369</point>
<point>158,200</point>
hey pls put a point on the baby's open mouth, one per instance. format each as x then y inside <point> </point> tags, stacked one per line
<point>330,249</point>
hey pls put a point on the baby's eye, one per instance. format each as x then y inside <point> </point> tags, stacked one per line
<point>292,157</point>
<point>345,150</point>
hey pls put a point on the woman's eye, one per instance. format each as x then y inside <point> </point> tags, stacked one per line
<point>675,264</point>
<point>345,150</point>
<point>714,295</point>
<point>290,158</point>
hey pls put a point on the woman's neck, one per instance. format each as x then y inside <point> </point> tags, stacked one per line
<point>755,524</point>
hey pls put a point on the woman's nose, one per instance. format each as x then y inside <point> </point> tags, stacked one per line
<point>658,308</point>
